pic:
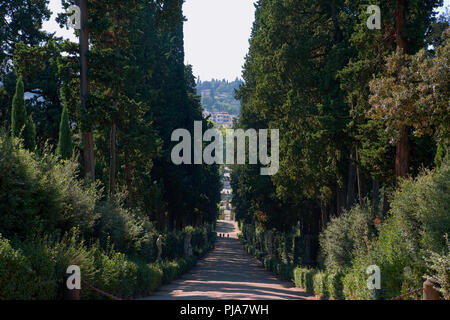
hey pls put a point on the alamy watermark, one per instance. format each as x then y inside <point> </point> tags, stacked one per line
<point>74,20</point>
<point>374,280</point>
<point>258,147</point>
<point>74,280</point>
<point>374,21</point>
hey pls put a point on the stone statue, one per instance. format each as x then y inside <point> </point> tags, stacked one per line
<point>159,244</point>
<point>187,245</point>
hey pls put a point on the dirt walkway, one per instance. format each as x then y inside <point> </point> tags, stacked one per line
<point>228,272</point>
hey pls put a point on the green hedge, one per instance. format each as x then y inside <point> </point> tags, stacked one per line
<point>321,283</point>
<point>282,270</point>
<point>334,285</point>
<point>172,270</point>
<point>35,269</point>
<point>304,278</point>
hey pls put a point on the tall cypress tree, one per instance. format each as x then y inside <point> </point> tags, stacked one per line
<point>64,148</point>
<point>18,112</point>
<point>29,134</point>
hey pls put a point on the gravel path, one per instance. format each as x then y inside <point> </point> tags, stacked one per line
<point>228,272</point>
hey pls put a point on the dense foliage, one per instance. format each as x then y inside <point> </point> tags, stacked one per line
<point>358,111</point>
<point>103,213</point>
<point>53,220</point>
<point>409,245</point>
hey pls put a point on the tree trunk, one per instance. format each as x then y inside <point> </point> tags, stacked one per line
<point>400,21</point>
<point>87,135</point>
<point>87,139</point>
<point>402,154</point>
<point>340,201</point>
<point>402,148</point>
<point>351,182</point>
<point>360,179</point>
<point>112,159</point>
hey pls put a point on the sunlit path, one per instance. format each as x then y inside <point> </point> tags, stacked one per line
<point>228,272</point>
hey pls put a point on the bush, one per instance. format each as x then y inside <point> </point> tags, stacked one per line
<point>46,212</point>
<point>299,277</point>
<point>320,284</point>
<point>40,255</point>
<point>304,278</point>
<point>117,275</point>
<point>309,280</point>
<point>334,285</point>
<point>172,270</point>
<point>39,193</point>
<point>286,271</point>
<point>439,266</point>
<point>416,225</point>
<point>149,278</point>
<point>128,231</point>
<point>347,235</point>
<point>355,284</point>
<point>16,275</point>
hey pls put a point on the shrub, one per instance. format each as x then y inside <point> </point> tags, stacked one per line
<point>347,235</point>
<point>71,250</point>
<point>173,247</point>
<point>417,223</point>
<point>299,277</point>
<point>304,278</point>
<point>16,275</point>
<point>439,270</point>
<point>40,255</point>
<point>128,231</point>
<point>334,285</point>
<point>309,280</point>
<point>355,284</point>
<point>171,271</point>
<point>40,193</point>
<point>117,275</point>
<point>320,284</point>
<point>286,271</point>
<point>149,278</point>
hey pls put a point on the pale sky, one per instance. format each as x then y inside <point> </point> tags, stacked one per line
<point>216,35</point>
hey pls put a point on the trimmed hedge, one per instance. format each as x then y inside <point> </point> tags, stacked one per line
<point>320,283</point>
<point>304,278</point>
<point>334,285</point>
<point>34,269</point>
<point>282,270</point>
<point>172,270</point>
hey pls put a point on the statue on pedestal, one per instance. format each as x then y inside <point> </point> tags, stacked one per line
<point>159,244</point>
<point>187,245</point>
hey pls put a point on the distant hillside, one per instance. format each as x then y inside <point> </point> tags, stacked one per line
<point>218,95</point>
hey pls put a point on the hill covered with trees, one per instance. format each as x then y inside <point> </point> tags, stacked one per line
<point>219,95</point>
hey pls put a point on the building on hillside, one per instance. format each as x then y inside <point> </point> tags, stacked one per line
<point>222,118</point>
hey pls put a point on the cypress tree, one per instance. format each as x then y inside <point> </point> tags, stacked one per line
<point>64,148</point>
<point>29,134</point>
<point>18,112</point>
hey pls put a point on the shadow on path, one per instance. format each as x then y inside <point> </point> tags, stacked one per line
<point>229,272</point>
